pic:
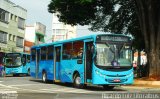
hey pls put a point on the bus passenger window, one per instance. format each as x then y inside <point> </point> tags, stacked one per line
<point>33,54</point>
<point>33,57</point>
<point>28,58</point>
<point>67,51</point>
<point>77,52</point>
<point>50,53</point>
<point>58,57</point>
<point>43,53</point>
<point>24,60</point>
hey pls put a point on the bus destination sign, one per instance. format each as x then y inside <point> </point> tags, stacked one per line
<point>113,38</point>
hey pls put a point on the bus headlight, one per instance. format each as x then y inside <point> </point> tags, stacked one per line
<point>97,72</point>
<point>100,74</point>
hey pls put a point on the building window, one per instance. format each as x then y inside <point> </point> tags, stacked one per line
<point>59,31</point>
<point>10,37</point>
<point>14,38</point>
<point>21,23</point>
<point>39,38</point>
<point>19,42</point>
<point>11,16</point>
<point>3,37</point>
<point>15,19</point>
<point>4,16</point>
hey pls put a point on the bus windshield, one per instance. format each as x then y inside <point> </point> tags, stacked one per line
<point>13,59</point>
<point>113,54</point>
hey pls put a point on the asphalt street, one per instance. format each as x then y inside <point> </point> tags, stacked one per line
<point>29,88</point>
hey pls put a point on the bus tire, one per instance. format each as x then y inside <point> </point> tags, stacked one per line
<point>44,77</point>
<point>107,87</point>
<point>77,81</point>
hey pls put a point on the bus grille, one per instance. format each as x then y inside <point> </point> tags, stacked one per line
<point>116,75</point>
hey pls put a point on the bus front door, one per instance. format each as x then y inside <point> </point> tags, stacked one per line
<point>57,58</point>
<point>37,62</point>
<point>88,61</point>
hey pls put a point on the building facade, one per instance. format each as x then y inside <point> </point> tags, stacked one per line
<point>34,35</point>
<point>62,31</point>
<point>12,27</point>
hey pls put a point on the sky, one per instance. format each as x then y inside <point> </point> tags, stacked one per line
<point>37,11</point>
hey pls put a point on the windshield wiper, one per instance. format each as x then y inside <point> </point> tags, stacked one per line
<point>110,48</point>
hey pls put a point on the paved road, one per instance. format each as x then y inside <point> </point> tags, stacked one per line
<point>29,88</point>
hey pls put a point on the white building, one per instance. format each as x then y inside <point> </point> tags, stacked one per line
<point>62,31</point>
<point>34,35</point>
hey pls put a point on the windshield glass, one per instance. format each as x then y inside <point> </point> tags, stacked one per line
<point>113,55</point>
<point>13,60</point>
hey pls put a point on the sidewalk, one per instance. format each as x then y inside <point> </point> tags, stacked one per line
<point>145,82</point>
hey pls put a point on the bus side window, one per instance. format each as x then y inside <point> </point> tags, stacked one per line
<point>50,52</point>
<point>33,54</point>
<point>77,50</point>
<point>58,51</point>
<point>67,51</point>
<point>28,58</point>
<point>24,60</point>
<point>43,53</point>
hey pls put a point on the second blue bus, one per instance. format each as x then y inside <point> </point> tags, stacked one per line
<point>16,63</point>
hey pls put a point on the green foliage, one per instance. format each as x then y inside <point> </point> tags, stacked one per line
<point>73,11</point>
<point>116,16</point>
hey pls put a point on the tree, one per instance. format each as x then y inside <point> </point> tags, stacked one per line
<point>141,18</point>
<point>148,12</point>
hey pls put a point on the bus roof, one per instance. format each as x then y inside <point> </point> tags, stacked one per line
<point>76,39</point>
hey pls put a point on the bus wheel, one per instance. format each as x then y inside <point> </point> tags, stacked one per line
<point>77,81</point>
<point>106,87</point>
<point>44,77</point>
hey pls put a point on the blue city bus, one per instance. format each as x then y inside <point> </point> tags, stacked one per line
<point>101,59</point>
<point>16,63</point>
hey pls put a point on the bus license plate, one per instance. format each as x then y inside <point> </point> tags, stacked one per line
<point>116,80</point>
<point>12,71</point>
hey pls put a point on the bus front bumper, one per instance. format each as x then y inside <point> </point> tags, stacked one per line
<point>13,70</point>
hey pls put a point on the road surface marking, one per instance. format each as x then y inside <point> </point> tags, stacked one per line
<point>6,86</point>
<point>24,85</point>
<point>53,90</point>
<point>4,92</point>
<point>68,90</point>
